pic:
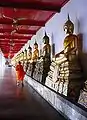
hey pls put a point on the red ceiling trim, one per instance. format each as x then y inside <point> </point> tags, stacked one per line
<point>64,2</point>
<point>31,5</point>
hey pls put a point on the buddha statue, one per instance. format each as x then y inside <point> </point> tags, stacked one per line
<point>29,53</point>
<point>43,64</point>
<point>35,54</point>
<point>35,57</point>
<point>71,41</point>
<point>70,74</point>
<point>72,50</point>
<point>46,48</point>
<point>29,65</point>
<point>46,58</point>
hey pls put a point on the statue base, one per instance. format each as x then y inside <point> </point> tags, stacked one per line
<point>41,70</point>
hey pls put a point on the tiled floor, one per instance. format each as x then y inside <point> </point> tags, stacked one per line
<point>22,103</point>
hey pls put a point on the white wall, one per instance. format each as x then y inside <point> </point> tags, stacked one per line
<point>2,60</point>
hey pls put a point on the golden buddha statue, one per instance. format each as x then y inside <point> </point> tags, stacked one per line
<point>35,54</point>
<point>46,58</point>
<point>71,41</point>
<point>46,48</point>
<point>70,71</point>
<point>29,53</point>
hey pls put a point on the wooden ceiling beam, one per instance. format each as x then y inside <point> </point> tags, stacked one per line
<point>25,31</point>
<point>24,22</point>
<point>31,5</point>
<point>14,37</point>
<point>7,44</point>
<point>31,22</point>
<point>5,30</point>
<point>16,41</point>
<point>20,31</point>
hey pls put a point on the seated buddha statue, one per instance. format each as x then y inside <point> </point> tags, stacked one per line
<point>46,55</point>
<point>71,43</point>
<point>35,56</point>
<point>29,56</point>
<point>35,53</point>
<point>46,49</point>
<point>72,49</point>
<point>70,71</point>
<point>29,53</point>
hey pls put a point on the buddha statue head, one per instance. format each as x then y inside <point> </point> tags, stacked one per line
<point>46,39</point>
<point>35,45</point>
<point>68,26</point>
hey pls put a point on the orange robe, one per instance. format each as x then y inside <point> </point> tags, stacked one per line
<point>20,72</point>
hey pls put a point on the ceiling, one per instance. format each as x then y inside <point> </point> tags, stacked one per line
<point>21,19</point>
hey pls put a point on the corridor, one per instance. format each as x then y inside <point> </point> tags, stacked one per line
<point>22,103</point>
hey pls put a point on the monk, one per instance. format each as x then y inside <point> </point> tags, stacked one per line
<point>20,74</point>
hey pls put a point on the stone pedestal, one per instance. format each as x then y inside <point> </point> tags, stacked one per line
<point>38,71</point>
<point>41,70</point>
<point>25,66</point>
<point>29,70</point>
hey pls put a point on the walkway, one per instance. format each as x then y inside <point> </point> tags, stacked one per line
<point>22,103</point>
